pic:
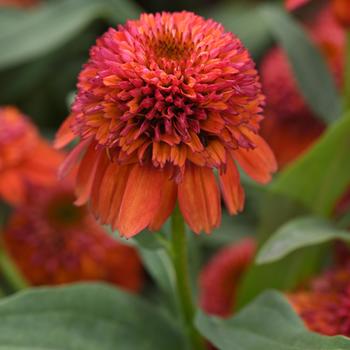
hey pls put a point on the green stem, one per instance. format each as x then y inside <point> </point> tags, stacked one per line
<point>10,272</point>
<point>8,269</point>
<point>347,73</point>
<point>181,266</point>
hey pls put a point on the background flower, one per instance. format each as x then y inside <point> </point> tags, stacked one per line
<point>25,157</point>
<point>53,242</point>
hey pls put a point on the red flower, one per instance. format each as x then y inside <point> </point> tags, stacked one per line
<point>24,157</point>
<point>220,277</point>
<point>341,10</point>
<point>18,3</point>
<point>162,102</point>
<point>54,242</point>
<point>292,5</point>
<point>325,306</point>
<point>291,127</point>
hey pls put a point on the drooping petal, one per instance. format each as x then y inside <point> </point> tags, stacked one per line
<point>231,188</point>
<point>64,135</point>
<point>141,200</point>
<point>259,163</point>
<point>72,158</point>
<point>199,199</point>
<point>86,174</point>
<point>167,203</point>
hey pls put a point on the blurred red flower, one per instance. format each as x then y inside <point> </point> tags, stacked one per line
<point>292,5</point>
<point>325,305</point>
<point>25,158</point>
<point>341,10</point>
<point>291,127</point>
<point>220,277</point>
<point>162,102</point>
<point>52,241</point>
<point>18,3</point>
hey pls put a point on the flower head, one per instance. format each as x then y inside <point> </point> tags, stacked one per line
<point>53,241</point>
<point>220,277</point>
<point>291,127</point>
<point>161,102</point>
<point>24,156</point>
<point>325,305</point>
<point>341,10</point>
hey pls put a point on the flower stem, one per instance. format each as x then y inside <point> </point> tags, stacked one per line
<point>347,73</point>
<point>180,261</point>
<point>10,272</point>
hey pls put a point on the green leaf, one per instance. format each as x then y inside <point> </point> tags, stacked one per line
<point>245,22</point>
<point>269,323</point>
<point>312,74</point>
<point>296,234</point>
<point>53,24</point>
<point>311,185</point>
<point>321,176</point>
<point>84,317</point>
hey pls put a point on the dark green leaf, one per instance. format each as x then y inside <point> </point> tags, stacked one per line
<point>310,69</point>
<point>53,24</point>
<point>296,234</point>
<point>269,323</point>
<point>245,22</point>
<point>84,317</point>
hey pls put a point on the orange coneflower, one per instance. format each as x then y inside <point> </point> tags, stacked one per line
<point>53,242</point>
<point>341,10</point>
<point>291,127</point>
<point>220,277</point>
<point>325,305</point>
<point>162,102</point>
<point>24,156</point>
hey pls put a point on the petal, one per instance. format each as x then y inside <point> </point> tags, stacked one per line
<point>231,188</point>
<point>111,192</point>
<point>64,135</point>
<point>86,174</point>
<point>199,199</point>
<point>72,158</point>
<point>12,187</point>
<point>259,163</point>
<point>167,203</point>
<point>141,200</point>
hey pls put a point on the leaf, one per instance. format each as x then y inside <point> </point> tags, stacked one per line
<point>311,72</point>
<point>311,185</point>
<point>268,323</point>
<point>53,24</point>
<point>321,176</point>
<point>296,234</point>
<point>84,317</point>
<point>245,22</point>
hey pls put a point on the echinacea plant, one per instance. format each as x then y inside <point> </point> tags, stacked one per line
<point>169,133</point>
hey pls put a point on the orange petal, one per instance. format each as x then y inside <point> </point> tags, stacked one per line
<point>167,203</point>
<point>231,188</point>
<point>141,200</point>
<point>259,163</point>
<point>64,135</point>
<point>86,174</point>
<point>72,158</point>
<point>199,199</point>
<point>12,187</point>
<point>122,177</point>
